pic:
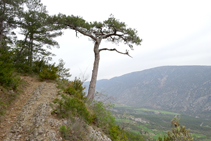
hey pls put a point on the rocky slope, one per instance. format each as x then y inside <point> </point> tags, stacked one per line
<point>34,121</point>
<point>184,89</point>
<point>29,118</point>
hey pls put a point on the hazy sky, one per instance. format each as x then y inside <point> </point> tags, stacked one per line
<point>173,33</point>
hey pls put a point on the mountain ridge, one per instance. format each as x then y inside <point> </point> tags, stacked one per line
<point>184,89</point>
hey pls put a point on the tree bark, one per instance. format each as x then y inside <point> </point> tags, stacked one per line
<point>1,33</point>
<point>91,91</point>
<point>1,26</point>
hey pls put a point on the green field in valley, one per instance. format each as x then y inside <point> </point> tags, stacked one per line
<point>155,123</point>
<point>158,111</point>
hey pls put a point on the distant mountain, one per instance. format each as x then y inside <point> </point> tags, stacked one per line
<point>184,89</point>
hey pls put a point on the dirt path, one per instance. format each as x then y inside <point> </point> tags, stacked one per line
<point>29,118</point>
<point>17,105</point>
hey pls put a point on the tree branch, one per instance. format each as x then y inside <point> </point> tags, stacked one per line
<point>82,32</point>
<point>126,53</point>
<point>101,31</point>
<point>113,34</point>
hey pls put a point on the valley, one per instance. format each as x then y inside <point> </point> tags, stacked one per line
<point>148,100</point>
<point>154,123</point>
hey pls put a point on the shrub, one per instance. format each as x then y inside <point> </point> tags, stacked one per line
<point>106,121</point>
<point>38,65</point>
<point>49,72</point>
<point>64,131</point>
<point>133,136</point>
<point>68,106</point>
<point>114,132</point>
<point>178,133</point>
<point>103,116</point>
<point>23,67</point>
<point>72,104</point>
<point>70,90</point>
<point>63,83</point>
<point>76,89</point>
<point>78,85</point>
<point>75,131</point>
<point>7,76</point>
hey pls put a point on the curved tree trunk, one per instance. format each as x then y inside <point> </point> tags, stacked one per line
<point>93,81</point>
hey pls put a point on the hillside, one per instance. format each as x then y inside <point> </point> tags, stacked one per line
<point>30,117</point>
<point>184,89</point>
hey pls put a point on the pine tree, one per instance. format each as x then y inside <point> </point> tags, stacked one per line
<point>111,30</point>
<point>9,10</point>
<point>37,31</point>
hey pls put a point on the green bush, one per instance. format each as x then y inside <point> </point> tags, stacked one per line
<point>118,134</point>
<point>21,62</point>
<point>39,65</point>
<point>49,72</point>
<point>114,132</point>
<point>72,104</point>
<point>64,131</point>
<point>76,89</point>
<point>103,116</point>
<point>133,136</point>
<point>178,133</point>
<point>78,85</point>
<point>23,67</point>
<point>68,106</point>
<point>74,131</point>
<point>7,75</point>
<point>106,121</point>
<point>63,83</point>
<point>70,90</point>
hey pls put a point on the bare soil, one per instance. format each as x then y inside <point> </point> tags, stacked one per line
<point>15,108</point>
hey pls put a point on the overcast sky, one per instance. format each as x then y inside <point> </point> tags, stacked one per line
<point>173,32</point>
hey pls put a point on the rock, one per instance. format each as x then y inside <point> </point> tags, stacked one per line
<point>20,125</point>
<point>97,135</point>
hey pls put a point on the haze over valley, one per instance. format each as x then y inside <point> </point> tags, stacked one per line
<point>184,89</point>
<point>158,94</point>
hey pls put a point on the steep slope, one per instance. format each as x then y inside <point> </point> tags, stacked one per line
<point>15,108</point>
<point>184,89</point>
<point>34,122</point>
<point>30,118</point>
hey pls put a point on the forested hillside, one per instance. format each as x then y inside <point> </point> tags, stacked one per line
<point>183,89</point>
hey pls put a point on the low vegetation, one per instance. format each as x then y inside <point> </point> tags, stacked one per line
<point>158,124</point>
<point>10,82</point>
<point>157,111</point>
<point>73,103</point>
<point>178,133</point>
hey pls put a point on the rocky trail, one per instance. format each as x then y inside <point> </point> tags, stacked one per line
<point>29,117</point>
